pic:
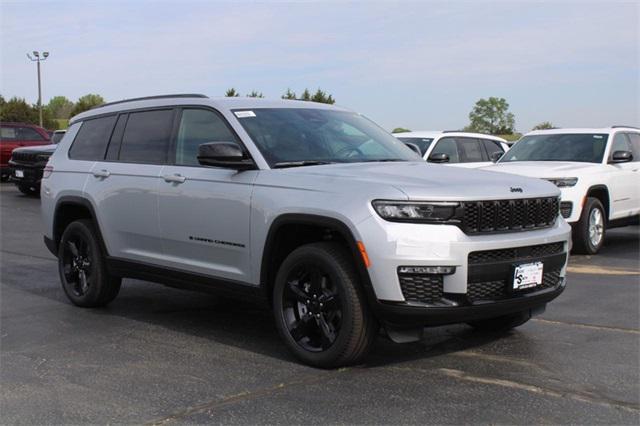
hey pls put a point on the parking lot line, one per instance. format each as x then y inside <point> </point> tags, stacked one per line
<point>589,326</point>
<point>597,270</point>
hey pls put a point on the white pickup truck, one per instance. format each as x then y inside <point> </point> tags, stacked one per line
<point>597,171</point>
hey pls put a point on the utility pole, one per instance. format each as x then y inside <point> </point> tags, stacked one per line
<point>37,58</point>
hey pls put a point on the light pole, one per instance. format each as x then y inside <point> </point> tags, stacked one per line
<point>37,58</point>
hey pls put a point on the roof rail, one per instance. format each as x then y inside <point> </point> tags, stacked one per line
<point>452,131</point>
<point>147,98</point>
<point>617,126</point>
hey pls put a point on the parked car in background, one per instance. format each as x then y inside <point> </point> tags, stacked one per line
<point>455,148</point>
<point>597,171</point>
<point>14,135</point>
<point>27,164</point>
<point>308,207</point>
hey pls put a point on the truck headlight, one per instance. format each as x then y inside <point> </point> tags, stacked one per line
<point>563,182</point>
<point>415,211</point>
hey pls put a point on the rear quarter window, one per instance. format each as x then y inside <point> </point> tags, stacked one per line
<point>92,139</point>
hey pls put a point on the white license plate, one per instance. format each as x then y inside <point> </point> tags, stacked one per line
<point>19,173</point>
<point>527,275</point>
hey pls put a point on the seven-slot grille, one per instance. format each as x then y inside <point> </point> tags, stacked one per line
<point>509,215</point>
<point>421,288</point>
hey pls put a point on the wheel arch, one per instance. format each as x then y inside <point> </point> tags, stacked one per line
<point>70,208</point>
<point>601,192</point>
<point>308,228</point>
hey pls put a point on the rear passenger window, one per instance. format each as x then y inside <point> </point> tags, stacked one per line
<point>471,149</point>
<point>92,139</point>
<point>146,137</point>
<point>28,134</point>
<point>198,126</point>
<point>492,147</point>
<point>116,138</point>
<point>7,133</point>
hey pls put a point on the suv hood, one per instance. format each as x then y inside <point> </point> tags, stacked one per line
<point>421,181</point>
<point>544,169</point>
<point>38,149</point>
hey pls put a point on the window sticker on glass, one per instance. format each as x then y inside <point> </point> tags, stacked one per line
<point>244,114</point>
<point>597,136</point>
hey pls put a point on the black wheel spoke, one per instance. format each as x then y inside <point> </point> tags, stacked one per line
<point>328,334</point>
<point>317,281</point>
<point>73,248</point>
<point>300,328</point>
<point>329,302</point>
<point>84,284</point>
<point>300,295</point>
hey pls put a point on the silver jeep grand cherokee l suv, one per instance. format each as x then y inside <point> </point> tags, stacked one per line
<point>311,208</point>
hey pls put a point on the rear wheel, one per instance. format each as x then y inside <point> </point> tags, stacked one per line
<point>319,307</point>
<point>502,323</point>
<point>589,232</point>
<point>30,190</point>
<point>82,268</point>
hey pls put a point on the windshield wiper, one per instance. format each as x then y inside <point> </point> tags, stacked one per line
<point>284,164</point>
<point>384,160</point>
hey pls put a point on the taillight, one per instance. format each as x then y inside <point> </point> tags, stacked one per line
<point>46,172</point>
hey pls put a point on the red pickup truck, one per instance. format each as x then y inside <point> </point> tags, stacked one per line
<point>14,135</point>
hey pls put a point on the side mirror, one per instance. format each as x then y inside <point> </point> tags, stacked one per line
<point>621,157</point>
<point>439,158</point>
<point>413,147</point>
<point>224,154</point>
<point>496,156</point>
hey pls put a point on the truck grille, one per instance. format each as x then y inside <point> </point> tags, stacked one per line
<point>495,290</point>
<point>421,288</point>
<point>25,157</point>
<point>515,253</point>
<point>509,215</point>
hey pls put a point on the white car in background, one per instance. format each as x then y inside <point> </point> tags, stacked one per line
<point>463,149</point>
<point>597,171</point>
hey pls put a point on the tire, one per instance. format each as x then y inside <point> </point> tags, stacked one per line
<point>29,190</point>
<point>333,329</point>
<point>585,229</point>
<point>80,253</point>
<point>502,323</point>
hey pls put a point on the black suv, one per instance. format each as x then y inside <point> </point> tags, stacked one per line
<point>27,164</point>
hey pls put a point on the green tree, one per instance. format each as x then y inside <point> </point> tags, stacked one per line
<point>231,93</point>
<point>87,102</point>
<point>306,95</point>
<point>322,97</point>
<point>543,126</point>
<point>400,130</point>
<point>289,95</point>
<point>255,94</point>
<point>60,107</point>
<point>18,110</point>
<point>491,116</point>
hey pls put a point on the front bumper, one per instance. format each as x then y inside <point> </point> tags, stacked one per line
<point>461,294</point>
<point>31,174</point>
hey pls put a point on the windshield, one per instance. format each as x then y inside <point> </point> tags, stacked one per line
<point>581,147</point>
<point>422,143</point>
<point>306,136</point>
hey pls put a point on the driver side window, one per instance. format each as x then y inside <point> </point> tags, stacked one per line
<point>620,143</point>
<point>447,146</point>
<point>198,126</point>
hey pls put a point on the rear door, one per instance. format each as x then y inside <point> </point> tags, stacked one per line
<point>204,212</point>
<point>124,183</point>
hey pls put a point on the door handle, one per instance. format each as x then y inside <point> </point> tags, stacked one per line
<point>101,173</point>
<point>174,178</point>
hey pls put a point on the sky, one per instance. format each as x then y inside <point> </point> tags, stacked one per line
<point>420,65</point>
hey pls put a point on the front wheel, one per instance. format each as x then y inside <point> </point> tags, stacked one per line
<point>319,307</point>
<point>589,232</point>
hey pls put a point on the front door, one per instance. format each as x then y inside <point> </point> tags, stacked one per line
<point>204,212</point>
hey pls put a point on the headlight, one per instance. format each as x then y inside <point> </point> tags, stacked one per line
<point>563,182</point>
<point>415,211</point>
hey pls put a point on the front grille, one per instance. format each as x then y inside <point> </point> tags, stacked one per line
<point>509,215</point>
<point>566,207</point>
<point>25,157</point>
<point>515,253</point>
<point>421,288</point>
<point>495,290</point>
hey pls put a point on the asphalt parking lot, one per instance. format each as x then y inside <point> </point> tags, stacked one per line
<point>159,355</point>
